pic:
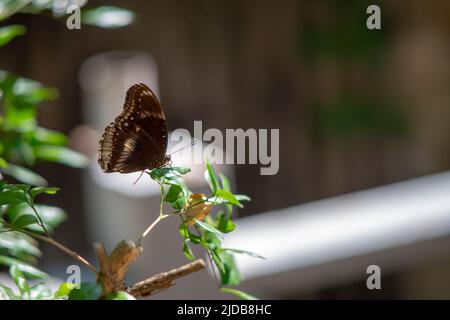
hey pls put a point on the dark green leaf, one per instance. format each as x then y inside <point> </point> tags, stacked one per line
<point>12,197</point>
<point>175,197</point>
<point>211,177</point>
<point>120,295</point>
<point>61,155</point>
<point>10,32</point>
<point>24,220</point>
<point>51,216</point>
<point>87,291</point>
<point>108,17</point>
<point>248,253</point>
<point>159,173</point>
<point>239,293</point>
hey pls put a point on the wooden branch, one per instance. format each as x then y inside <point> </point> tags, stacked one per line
<point>163,280</point>
<point>104,274</point>
<point>114,268</point>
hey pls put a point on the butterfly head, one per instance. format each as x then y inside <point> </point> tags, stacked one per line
<point>164,162</point>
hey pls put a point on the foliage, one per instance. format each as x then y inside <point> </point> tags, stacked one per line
<point>23,143</point>
<point>197,227</point>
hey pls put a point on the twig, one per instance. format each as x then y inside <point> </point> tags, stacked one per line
<point>164,280</point>
<point>71,253</point>
<point>149,228</point>
<point>40,222</point>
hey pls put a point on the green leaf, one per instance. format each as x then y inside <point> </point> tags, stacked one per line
<point>187,250</point>
<point>19,245</point>
<point>27,269</point>
<point>208,227</point>
<point>24,175</point>
<point>12,197</point>
<point>225,182</point>
<point>238,293</point>
<point>24,220</point>
<point>175,197</point>
<point>12,7</point>
<point>61,155</point>
<point>49,137</point>
<point>10,32</point>
<point>184,231</point>
<point>40,292</point>
<point>218,262</point>
<point>181,170</point>
<point>224,223</point>
<point>120,295</point>
<point>3,163</point>
<point>50,215</point>
<point>108,17</point>
<point>38,190</point>
<point>226,186</point>
<point>7,293</point>
<point>242,197</point>
<point>87,291</point>
<point>186,234</point>
<point>20,281</point>
<point>211,177</point>
<point>230,275</point>
<point>159,173</point>
<point>248,253</point>
<point>227,196</point>
<point>64,289</point>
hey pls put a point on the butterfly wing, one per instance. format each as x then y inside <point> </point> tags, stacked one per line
<point>137,139</point>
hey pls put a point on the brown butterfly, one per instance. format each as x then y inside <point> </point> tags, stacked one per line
<point>137,139</point>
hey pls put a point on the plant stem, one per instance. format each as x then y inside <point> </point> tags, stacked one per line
<point>63,248</point>
<point>41,223</point>
<point>154,223</point>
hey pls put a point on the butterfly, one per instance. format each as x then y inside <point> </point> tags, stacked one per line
<point>137,139</point>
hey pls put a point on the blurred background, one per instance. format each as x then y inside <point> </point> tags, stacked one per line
<point>364,136</point>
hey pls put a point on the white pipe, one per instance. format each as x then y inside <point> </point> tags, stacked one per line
<point>354,224</point>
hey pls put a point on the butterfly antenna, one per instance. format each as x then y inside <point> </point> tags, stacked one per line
<point>185,147</point>
<point>139,177</point>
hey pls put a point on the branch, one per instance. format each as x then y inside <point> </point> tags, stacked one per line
<point>113,268</point>
<point>71,253</point>
<point>164,280</point>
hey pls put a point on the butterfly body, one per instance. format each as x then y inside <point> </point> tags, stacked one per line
<point>137,139</point>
